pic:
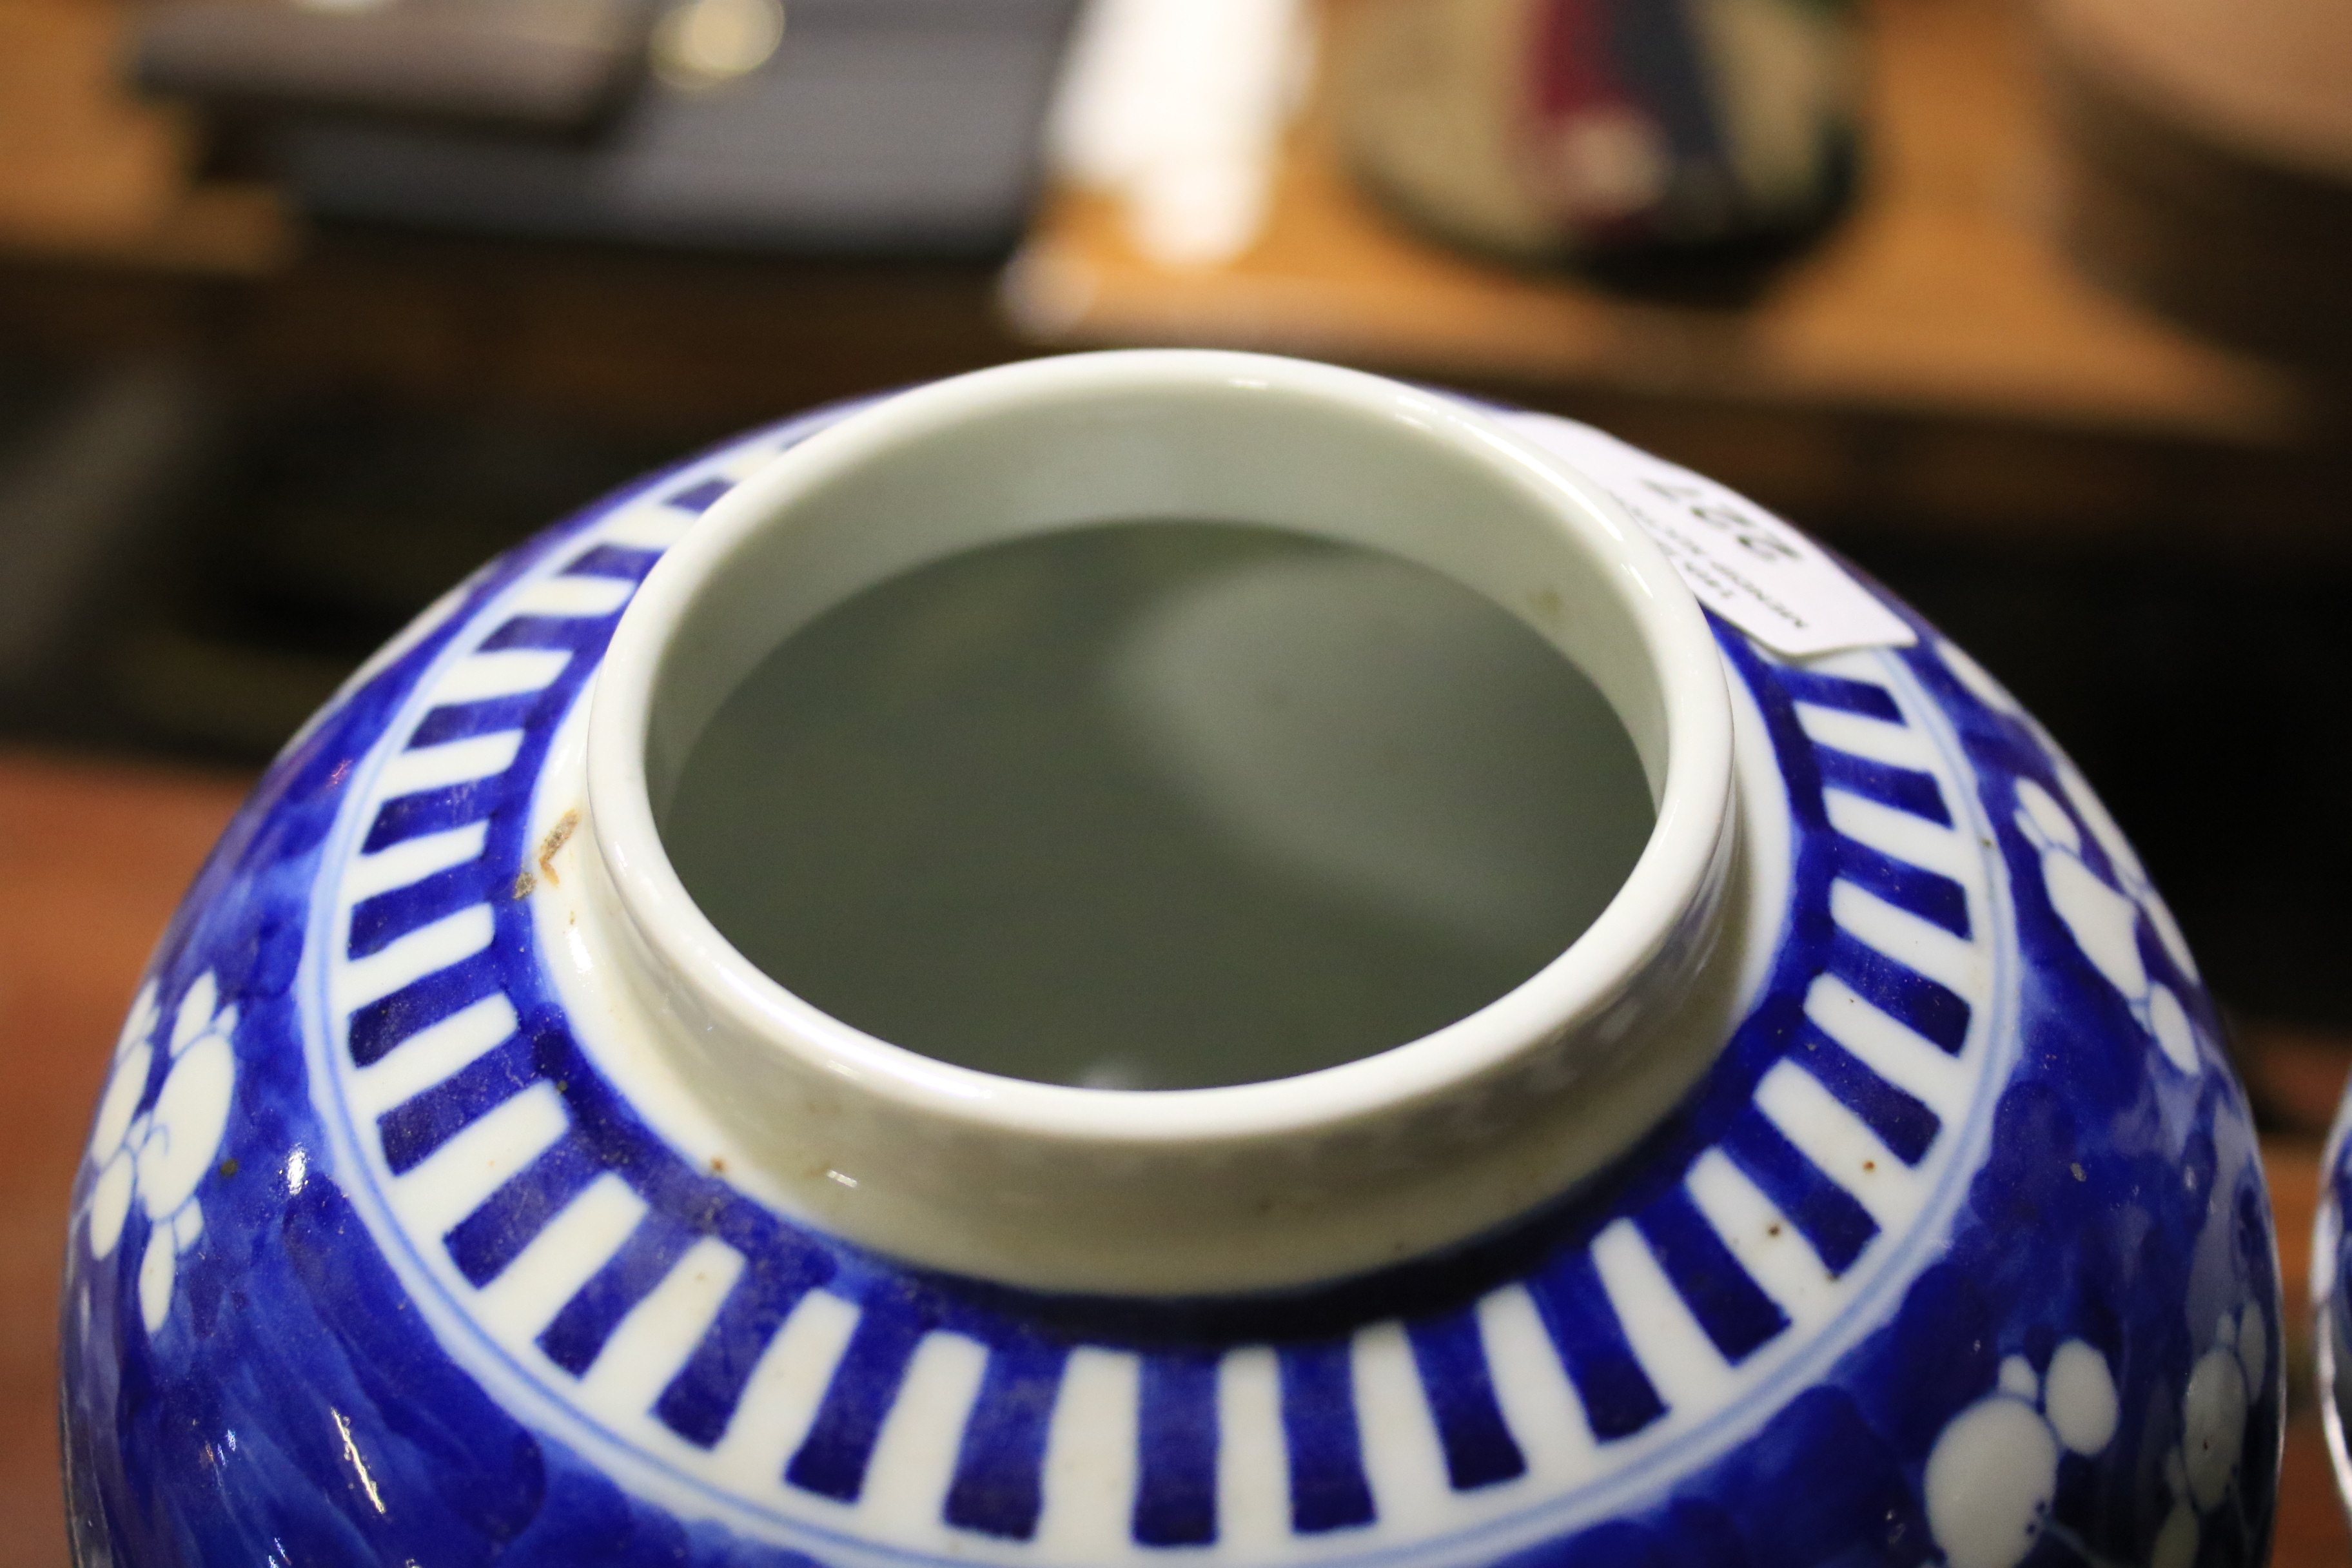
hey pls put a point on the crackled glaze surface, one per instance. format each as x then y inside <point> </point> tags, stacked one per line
<point>1959,1250</point>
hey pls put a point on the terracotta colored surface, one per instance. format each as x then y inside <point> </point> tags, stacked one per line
<point>2311,1529</point>
<point>94,856</point>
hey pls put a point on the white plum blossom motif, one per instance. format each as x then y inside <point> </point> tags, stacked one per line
<point>1993,1471</point>
<point>2222,1388</point>
<point>160,1155</point>
<point>2104,920</point>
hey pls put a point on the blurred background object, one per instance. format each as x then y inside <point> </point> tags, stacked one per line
<point>1177,109</point>
<point>845,126</point>
<point>300,535</point>
<point>1551,128</point>
<point>546,64</point>
<point>2209,162</point>
<point>270,380</point>
<point>82,484</point>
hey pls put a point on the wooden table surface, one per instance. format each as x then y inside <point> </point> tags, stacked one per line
<point>1935,366</point>
<point>94,856</point>
<point>1934,360</point>
<point>1943,292</point>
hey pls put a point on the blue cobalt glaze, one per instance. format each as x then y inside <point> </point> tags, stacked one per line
<point>1968,1207</point>
<point>2331,1296</point>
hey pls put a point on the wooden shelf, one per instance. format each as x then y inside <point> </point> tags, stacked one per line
<point>89,174</point>
<point>1933,365</point>
<point>1940,295</point>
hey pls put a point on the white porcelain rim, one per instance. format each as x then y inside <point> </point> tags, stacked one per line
<point>1673,874</point>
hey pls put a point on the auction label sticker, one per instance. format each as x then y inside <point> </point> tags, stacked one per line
<point>1743,562</point>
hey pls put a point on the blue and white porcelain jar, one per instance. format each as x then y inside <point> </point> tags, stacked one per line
<point>1864,1184</point>
<point>2331,1296</point>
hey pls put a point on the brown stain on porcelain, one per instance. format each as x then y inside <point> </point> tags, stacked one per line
<point>526,882</point>
<point>557,837</point>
